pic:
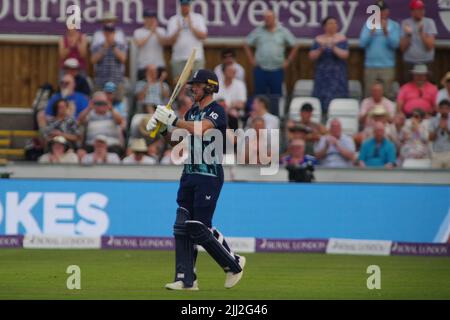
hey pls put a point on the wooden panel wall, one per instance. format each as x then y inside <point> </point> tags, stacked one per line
<point>24,67</point>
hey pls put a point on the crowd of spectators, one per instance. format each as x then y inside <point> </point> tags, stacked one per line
<point>93,122</point>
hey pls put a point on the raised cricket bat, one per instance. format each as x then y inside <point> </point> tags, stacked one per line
<point>184,76</point>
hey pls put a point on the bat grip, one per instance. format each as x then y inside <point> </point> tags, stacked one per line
<point>156,130</point>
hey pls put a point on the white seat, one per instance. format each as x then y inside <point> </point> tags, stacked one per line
<point>349,125</point>
<point>303,88</point>
<point>416,164</point>
<point>298,102</point>
<point>355,89</point>
<point>343,107</point>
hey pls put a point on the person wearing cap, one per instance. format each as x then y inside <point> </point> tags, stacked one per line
<point>378,151</point>
<point>152,90</point>
<point>139,153</point>
<point>150,41</point>
<point>72,66</point>
<point>59,152</point>
<point>377,114</point>
<point>100,154</point>
<point>269,63</point>
<point>200,184</point>
<point>444,93</point>
<point>380,44</point>
<point>109,60</point>
<point>109,19</point>
<point>376,98</point>
<point>228,55</point>
<point>296,155</point>
<point>336,149</point>
<point>414,138</point>
<point>439,129</point>
<point>417,38</point>
<point>120,106</point>
<point>186,31</point>
<point>73,45</point>
<point>418,93</point>
<point>100,118</point>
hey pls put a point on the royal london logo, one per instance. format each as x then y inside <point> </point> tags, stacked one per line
<point>444,13</point>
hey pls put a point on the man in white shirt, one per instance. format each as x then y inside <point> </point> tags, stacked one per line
<point>229,56</point>
<point>232,90</point>
<point>139,156</point>
<point>185,32</point>
<point>150,41</point>
<point>260,109</point>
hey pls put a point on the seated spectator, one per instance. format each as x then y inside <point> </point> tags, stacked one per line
<point>233,91</point>
<point>228,56</point>
<point>330,51</point>
<point>396,128</point>
<point>376,98</point>
<point>418,93</point>
<point>444,93</point>
<point>414,138</point>
<point>260,109</point>
<point>62,125</point>
<point>59,152</point>
<point>150,41</point>
<point>151,91</point>
<point>119,105</point>
<point>335,150</point>
<point>100,154</point>
<point>316,130</point>
<point>296,131</point>
<point>109,59</point>
<point>72,66</point>
<point>73,45</point>
<point>100,118</point>
<point>252,147</point>
<point>77,101</point>
<point>440,135</point>
<point>296,154</point>
<point>138,155</point>
<point>378,151</point>
<point>377,114</point>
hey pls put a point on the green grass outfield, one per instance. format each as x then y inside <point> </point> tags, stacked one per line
<point>118,274</point>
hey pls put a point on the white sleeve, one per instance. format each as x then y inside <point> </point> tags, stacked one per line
<point>172,26</point>
<point>200,23</point>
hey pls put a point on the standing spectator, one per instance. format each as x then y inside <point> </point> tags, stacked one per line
<point>72,67</point>
<point>330,51</point>
<point>335,150</point>
<point>151,91</point>
<point>414,138</point>
<point>109,59</point>
<point>76,100</point>
<point>59,152</point>
<point>418,93</point>
<point>417,38</point>
<point>260,109</point>
<point>378,151</point>
<point>440,135</point>
<point>100,154</point>
<point>185,32</point>
<point>232,90</point>
<point>138,155</point>
<point>270,42</point>
<point>119,105</point>
<point>444,93</point>
<point>149,40</point>
<point>380,51</point>
<point>376,98</point>
<point>100,118</point>
<point>109,20</point>
<point>73,45</point>
<point>228,56</point>
<point>62,125</point>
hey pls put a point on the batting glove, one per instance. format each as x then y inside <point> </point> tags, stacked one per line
<point>165,116</point>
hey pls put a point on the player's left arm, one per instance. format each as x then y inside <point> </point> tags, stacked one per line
<point>191,126</point>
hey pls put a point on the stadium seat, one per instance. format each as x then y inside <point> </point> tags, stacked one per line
<point>355,89</point>
<point>303,88</point>
<point>347,111</point>
<point>296,105</point>
<point>416,164</point>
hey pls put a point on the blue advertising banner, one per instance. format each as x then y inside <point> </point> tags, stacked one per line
<point>410,213</point>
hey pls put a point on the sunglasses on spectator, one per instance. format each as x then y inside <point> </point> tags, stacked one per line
<point>64,83</point>
<point>100,103</point>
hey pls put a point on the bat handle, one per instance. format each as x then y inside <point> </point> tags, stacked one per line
<point>156,130</point>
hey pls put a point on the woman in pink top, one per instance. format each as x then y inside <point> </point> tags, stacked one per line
<point>73,45</point>
<point>418,93</point>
